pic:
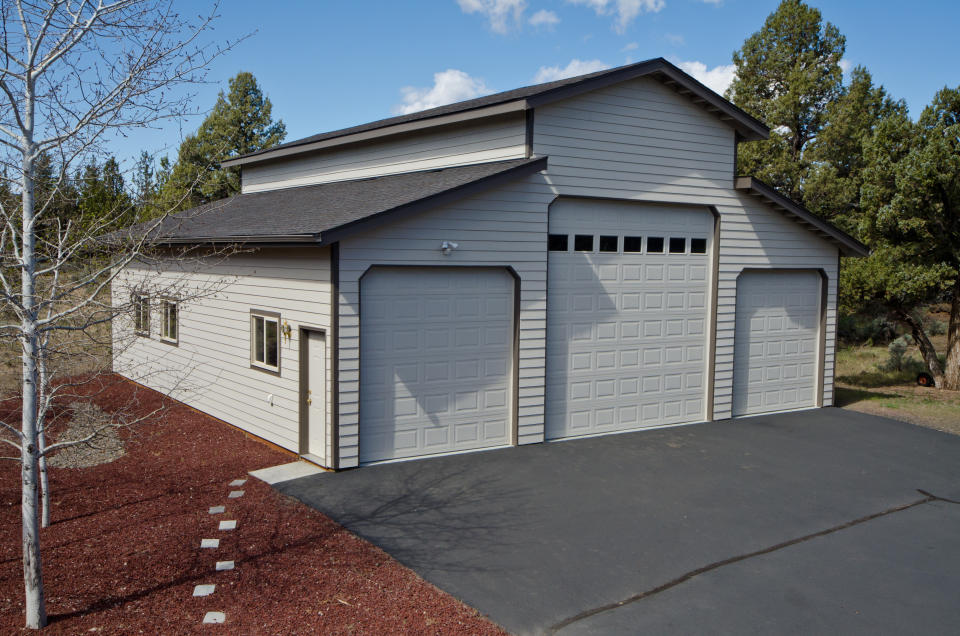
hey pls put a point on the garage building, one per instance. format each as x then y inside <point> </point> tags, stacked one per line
<point>562,260</point>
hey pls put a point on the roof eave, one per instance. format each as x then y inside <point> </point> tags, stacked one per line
<point>750,128</point>
<point>280,239</point>
<point>849,246</point>
<point>483,112</point>
<point>333,235</point>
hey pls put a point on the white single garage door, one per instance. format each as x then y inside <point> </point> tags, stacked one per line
<point>777,336</point>
<point>435,361</point>
<point>626,316</point>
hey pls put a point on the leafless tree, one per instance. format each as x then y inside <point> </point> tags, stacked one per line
<point>73,73</point>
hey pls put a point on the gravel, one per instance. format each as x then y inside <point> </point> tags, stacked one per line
<point>106,445</point>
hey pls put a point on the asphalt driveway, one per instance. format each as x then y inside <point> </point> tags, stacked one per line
<point>808,522</point>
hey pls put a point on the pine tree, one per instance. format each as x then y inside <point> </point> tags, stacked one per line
<point>102,197</point>
<point>240,122</point>
<point>788,73</point>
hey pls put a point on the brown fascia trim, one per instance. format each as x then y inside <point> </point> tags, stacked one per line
<point>334,344</point>
<point>515,106</point>
<point>260,241</point>
<point>442,198</point>
<point>848,245</point>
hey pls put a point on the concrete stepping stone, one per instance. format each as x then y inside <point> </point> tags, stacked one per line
<point>209,543</point>
<point>214,618</point>
<point>238,482</point>
<point>228,525</point>
<point>222,566</point>
<point>216,510</point>
<point>204,590</point>
<point>235,494</point>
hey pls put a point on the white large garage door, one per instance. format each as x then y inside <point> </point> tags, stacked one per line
<point>777,335</point>
<point>626,316</point>
<point>435,359</point>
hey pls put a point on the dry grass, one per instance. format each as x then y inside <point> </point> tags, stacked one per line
<point>863,385</point>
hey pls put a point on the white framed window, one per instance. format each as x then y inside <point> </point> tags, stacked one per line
<point>265,340</point>
<point>170,329</point>
<point>141,315</point>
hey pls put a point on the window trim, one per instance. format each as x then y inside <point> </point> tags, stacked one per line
<point>272,316</point>
<point>141,313</point>
<point>164,302</point>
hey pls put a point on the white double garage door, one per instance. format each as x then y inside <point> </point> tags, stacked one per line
<point>627,337</point>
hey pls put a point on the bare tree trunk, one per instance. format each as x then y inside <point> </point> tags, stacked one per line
<point>951,379</point>
<point>36,612</point>
<point>926,347</point>
<point>42,443</point>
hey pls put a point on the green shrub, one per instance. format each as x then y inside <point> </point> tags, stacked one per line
<point>897,354</point>
<point>854,329</point>
<point>936,327</point>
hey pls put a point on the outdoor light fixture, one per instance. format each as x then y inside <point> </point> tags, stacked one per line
<point>448,246</point>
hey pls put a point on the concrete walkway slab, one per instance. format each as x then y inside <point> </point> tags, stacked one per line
<point>286,472</point>
<point>561,536</point>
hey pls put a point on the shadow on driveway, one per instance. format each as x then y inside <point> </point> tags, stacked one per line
<point>573,536</point>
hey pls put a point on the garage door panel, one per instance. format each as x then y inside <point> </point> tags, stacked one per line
<point>625,330</point>
<point>776,341</point>
<point>435,379</point>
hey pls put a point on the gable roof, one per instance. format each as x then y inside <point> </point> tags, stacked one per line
<point>323,213</point>
<point>849,246</point>
<point>522,99</point>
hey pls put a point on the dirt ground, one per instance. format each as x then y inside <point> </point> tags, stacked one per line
<point>123,555</point>
<point>864,384</point>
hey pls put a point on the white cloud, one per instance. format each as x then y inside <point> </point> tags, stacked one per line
<point>449,86</point>
<point>574,68</point>
<point>632,46</point>
<point>624,10</point>
<point>717,78</point>
<point>715,2</point>
<point>675,39</point>
<point>845,65</point>
<point>502,14</point>
<point>544,18</point>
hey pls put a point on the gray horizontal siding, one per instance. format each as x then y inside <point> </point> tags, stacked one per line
<point>503,227</point>
<point>641,141</point>
<point>481,142</point>
<point>210,368</point>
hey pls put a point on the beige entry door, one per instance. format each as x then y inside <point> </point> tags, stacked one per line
<point>316,396</point>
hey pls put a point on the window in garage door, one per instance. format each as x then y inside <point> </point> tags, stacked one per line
<point>436,360</point>
<point>777,337</point>
<point>626,328</point>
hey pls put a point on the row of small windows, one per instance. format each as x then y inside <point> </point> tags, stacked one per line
<point>264,330</point>
<point>631,244</point>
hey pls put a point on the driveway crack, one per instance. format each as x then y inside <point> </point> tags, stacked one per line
<point>927,498</point>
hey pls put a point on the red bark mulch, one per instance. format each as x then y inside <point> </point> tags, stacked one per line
<point>123,555</point>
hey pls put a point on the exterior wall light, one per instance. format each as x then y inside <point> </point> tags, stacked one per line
<point>448,246</point>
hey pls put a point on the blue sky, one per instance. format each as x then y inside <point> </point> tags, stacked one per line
<point>326,65</point>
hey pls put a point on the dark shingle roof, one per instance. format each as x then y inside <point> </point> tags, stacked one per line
<point>321,213</point>
<point>748,126</point>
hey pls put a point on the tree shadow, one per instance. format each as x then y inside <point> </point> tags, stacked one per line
<point>429,514</point>
<point>846,396</point>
